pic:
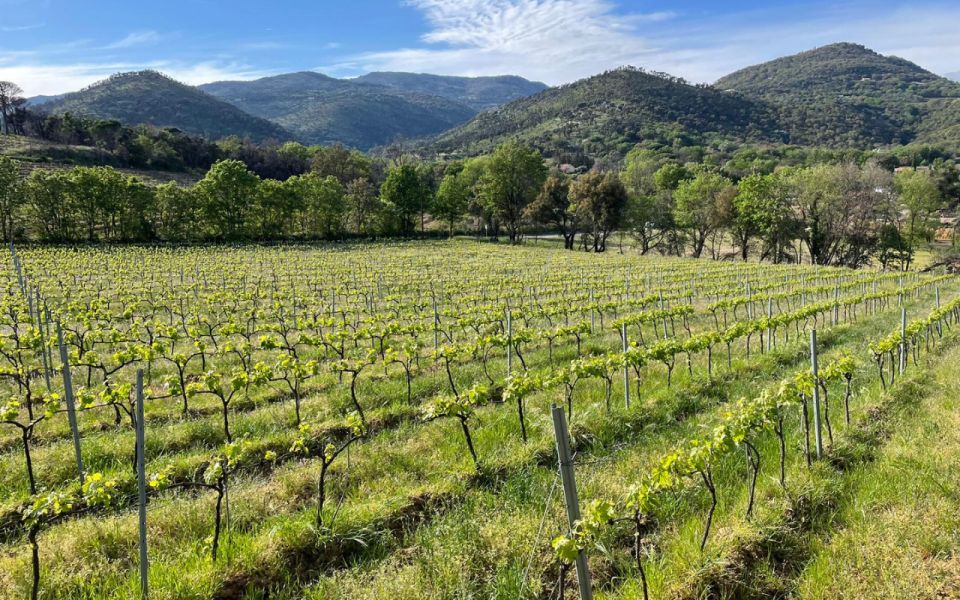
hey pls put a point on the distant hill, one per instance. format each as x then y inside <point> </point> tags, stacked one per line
<point>953,76</point>
<point>38,100</point>
<point>149,97</point>
<point>848,95</point>
<point>479,93</point>
<point>318,109</point>
<point>605,115</point>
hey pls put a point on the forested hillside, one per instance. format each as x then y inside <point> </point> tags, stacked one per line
<point>479,93</point>
<point>848,95</point>
<point>151,98</point>
<point>322,110</point>
<point>606,115</point>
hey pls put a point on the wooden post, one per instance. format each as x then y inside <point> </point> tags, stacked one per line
<point>903,339</point>
<point>626,367</point>
<point>570,496</point>
<point>142,488</point>
<point>509,343</point>
<point>818,434</point>
<point>71,406</point>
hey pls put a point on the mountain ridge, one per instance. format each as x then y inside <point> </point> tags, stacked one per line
<point>152,98</point>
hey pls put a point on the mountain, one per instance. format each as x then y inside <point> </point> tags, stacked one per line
<point>319,109</point>
<point>149,97</point>
<point>38,100</point>
<point>848,95</point>
<point>605,115</point>
<point>479,93</point>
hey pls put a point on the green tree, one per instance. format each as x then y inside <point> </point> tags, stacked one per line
<point>515,175</point>
<point>600,199</point>
<point>404,192</point>
<point>178,214</point>
<point>920,197</point>
<point>761,209</point>
<point>699,206</point>
<point>363,205</point>
<point>452,200</point>
<point>324,206</point>
<point>227,194</point>
<point>48,213</point>
<point>552,207</point>
<point>11,197</point>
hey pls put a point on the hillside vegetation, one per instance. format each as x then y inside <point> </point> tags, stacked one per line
<point>322,110</point>
<point>607,114</point>
<point>848,95</point>
<point>479,93</point>
<point>149,97</point>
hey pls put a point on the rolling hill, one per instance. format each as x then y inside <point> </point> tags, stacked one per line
<point>605,115</point>
<point>149,97</point>
<point>848,95</point>
<point>318,109</point>
<point>479,93</point>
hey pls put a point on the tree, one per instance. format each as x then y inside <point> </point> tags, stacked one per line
<point>920,197</point>
<point>649,212</point>
<point>178,215</point>
<point>47,206</point>
<point>761,209</point>
<point>276,202</point>
<point>600,199</point>
<point>838,207</point>
<point>452,200</point>
<point>362,203</point>
<point>698,206</point>
<point>227,193</point>
<point>403,191</point>
<point>552,207</point>
<point>515,175</point>
<point>11,98</point>
<point>11,198</point>
<point>324,206</point>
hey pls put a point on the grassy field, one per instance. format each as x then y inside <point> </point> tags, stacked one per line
<point>394,352</point>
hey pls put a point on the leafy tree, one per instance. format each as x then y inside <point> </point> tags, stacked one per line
<point>11,98</point>
<point>404,191</point>
<point>11,198</point>
<point>452,200</point>
<point>178,215</point>
<point>515,175</point>
<point>227,194</point>
<point>600,199</point>
<point>920,196</point>
<point>552,207</point>
<point>324,207</point>
<point>276,203</point>
<point>698,205</point>
<point>363,204</point>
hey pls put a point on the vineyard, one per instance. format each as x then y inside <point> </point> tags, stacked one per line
<point>381,421</point>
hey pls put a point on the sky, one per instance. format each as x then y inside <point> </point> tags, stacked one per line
<point>56,46</point>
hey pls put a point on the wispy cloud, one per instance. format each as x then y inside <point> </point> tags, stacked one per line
<point>137,38</point>
<point>562,40</point>
<point>552,40</point>
<point>14,28</point>
<point>46,79</point>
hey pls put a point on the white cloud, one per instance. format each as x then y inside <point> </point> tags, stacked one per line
<point>551,40</point>
<point>14,28</point>
<point>558,41</point>
<point>137,38</point>
<point>44,79</point>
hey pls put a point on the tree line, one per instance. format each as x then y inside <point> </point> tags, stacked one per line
<point>841,213</point>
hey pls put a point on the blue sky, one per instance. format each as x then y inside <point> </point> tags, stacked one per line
<point>53,46</point>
